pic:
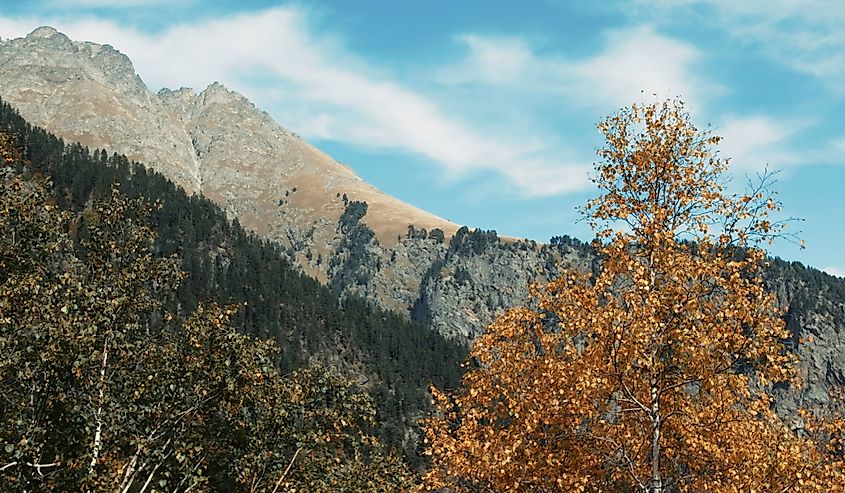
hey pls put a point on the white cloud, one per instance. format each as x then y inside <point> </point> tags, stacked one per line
<point>789,27</point>
<point>805,35</point>
<point>492,60</point>
<point>318,88</point>
<point>640,59</point>
<point>116,5</point>
<point>759,141</point>
<point>756,142</point>
<point>838,146</point>
<point>631,64</point>
<point>835,271</point>
<point>16,28</point>
<point>539,177</point>
<point>632,61</point>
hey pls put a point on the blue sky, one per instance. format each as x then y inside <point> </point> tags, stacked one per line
<point>484,112</point>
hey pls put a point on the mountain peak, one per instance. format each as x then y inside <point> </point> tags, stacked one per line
<point>216,142</point>
<point>217,93</point>
<point>182,91</point>
<point>217,87</point>
<point>90,93</point>
<point>43,32</point>
<point>49,37</point>
<point>184,94</point>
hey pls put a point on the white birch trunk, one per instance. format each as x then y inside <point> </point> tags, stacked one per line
<point>98,415</point>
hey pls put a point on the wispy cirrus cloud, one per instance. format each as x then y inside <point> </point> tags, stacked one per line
<point>640,59</point>
<point>756,142</point>
<point>806,36</point>
<point>838,146</point>
<point>631,61</point>
<point>323,90</point>
<point>632,64</point>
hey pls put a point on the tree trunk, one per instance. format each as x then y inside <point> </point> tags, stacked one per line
<point>129,472</point>
<point>98,434</point>
<point>656,478</point>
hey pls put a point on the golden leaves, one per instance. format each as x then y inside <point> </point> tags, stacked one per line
<point>644,366</point>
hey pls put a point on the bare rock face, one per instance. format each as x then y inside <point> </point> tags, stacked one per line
<point>486,275</point>
<point>815,312</point>
<point>90,93</point>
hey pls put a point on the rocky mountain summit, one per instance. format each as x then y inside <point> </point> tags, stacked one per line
<point>337,227</point>
<point>216,143</point>
<point>90,93</point>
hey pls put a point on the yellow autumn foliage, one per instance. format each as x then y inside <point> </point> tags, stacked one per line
<point>649,374</point>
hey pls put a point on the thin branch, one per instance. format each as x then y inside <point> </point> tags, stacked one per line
<point>38,467</point>
<point>193,470</point>
<point>290,464</point>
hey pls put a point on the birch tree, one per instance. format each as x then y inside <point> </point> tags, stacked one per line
<point>648,376</point>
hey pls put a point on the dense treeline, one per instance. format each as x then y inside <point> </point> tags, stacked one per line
<point>230,266</point>
<point>812,284</point>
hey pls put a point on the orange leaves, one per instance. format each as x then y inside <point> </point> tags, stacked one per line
<point>640,373</point>
<point>10,152</point>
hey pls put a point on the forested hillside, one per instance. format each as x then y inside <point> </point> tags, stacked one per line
<point>393,358</point>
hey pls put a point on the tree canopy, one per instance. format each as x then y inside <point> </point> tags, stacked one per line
<point>103,389</point>
<point>650,374</point>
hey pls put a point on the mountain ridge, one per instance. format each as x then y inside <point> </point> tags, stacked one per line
<point>98,84</point>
